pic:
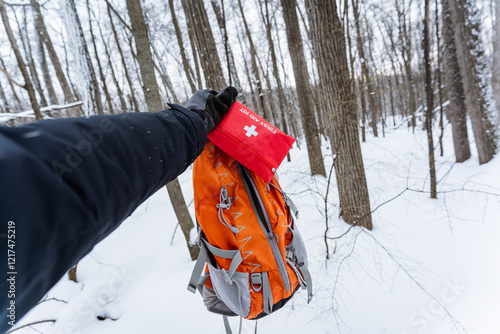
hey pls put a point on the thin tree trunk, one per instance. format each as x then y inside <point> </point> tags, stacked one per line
<point>430,104</point>
<point>23,34</point>
<point>231,66</point>
<point>124,63</point>
<point>472,64</point>
<point>205,43</point>
<point>45,71</point>
<point>329,45</point>
<point>4,99</point>
<point>407,52</point>
<point>27,85</point>
<point>303,87</point>
<point>439,80</point>
<point>153,100</point>
<point>14,94</point>
<point>95,94</point>
<point>495,75</point>
<point>255,69</point>
<point>45,38</point>
<point>119,91</point>
<point>194,51</point>
<point>276,74</point>
<point>366,84</point>
<point>185,62</point>
<point>97,58</point>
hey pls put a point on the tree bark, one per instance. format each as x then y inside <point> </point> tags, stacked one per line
<point>303,87</point>
<point>276,74</point>
<point>97,58</point>
<point>45,71</point>
<point>185,62</point>
<point>231,67</point>
<point>119,91</point>
<point>124,63</point>
<point>429,94</point>
<point>407,53</point>
<point>27,85</point>
<point>23,34</point>
<point>45,38</point>
<point>95,93</point>
<point>4,99</point>
<point>366,84</point>
<point>455,110</point>
<point>495,76</point>
<point>255,69</point>
<point>472,64</point>
<point>153,100</point>
<point>329,46</point>
<point>205,43</point>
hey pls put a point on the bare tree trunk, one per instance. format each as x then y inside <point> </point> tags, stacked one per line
<point>14,94</point>
<point>455,110</point>
<point>407,52</point>
<point>205,43</point>
<point>439,80</point>
<point>366,84</point>
<point>23,34</point>
<point>430,104</point>
<point>27,85</point>
<point>153,100</point>
<point>162,71</point>
<point>124,63</point>
<point>45,71</point>
<point>255,69</point>
<point>101,72</point>
<point>495,76</point>
<point>303,87</point>
<point>185,62</point>
<point>276,74</point>
<point>231,66</point>
<point>4,99</point>
<point>194,51</point>
<point>472,64</point>
<point>329,46</point>
<point>95,94</point>
<point>45,38</point>
<point>119,91</point>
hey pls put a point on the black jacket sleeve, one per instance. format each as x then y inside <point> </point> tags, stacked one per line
<point>66,184</point>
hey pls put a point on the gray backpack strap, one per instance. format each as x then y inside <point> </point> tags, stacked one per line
<point>205,247</point>
<point>228,327</point>
<point>301,257</point>
<point>198,269</point>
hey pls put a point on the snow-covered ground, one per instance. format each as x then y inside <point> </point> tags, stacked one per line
<point>428,266</point>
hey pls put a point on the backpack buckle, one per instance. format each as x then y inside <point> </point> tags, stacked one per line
<point>256,279</point>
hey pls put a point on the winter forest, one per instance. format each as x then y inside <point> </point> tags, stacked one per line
<point>395,107</point>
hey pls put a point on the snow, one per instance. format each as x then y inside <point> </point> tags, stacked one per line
<point>428,266</point>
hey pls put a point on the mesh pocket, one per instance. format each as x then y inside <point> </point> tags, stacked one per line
<point>234,291</point>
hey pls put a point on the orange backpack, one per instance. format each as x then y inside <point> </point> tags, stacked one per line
<point>252,252</point>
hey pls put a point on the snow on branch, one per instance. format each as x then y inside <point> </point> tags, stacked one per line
<point>5,117</point>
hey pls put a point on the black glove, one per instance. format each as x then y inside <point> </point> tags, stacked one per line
<point>212,106</point>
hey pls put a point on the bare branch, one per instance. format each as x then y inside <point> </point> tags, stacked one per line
<point>11,79</point>
<point>31,324</point>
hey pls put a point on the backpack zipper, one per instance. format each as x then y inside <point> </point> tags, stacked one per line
<point>264,222</point>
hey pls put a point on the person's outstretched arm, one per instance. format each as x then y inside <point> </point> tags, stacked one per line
<point>66,184</point>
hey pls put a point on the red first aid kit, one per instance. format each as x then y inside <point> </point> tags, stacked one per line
<point>251,141</point>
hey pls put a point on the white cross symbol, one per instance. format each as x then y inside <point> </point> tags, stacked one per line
<point>251,131</point>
